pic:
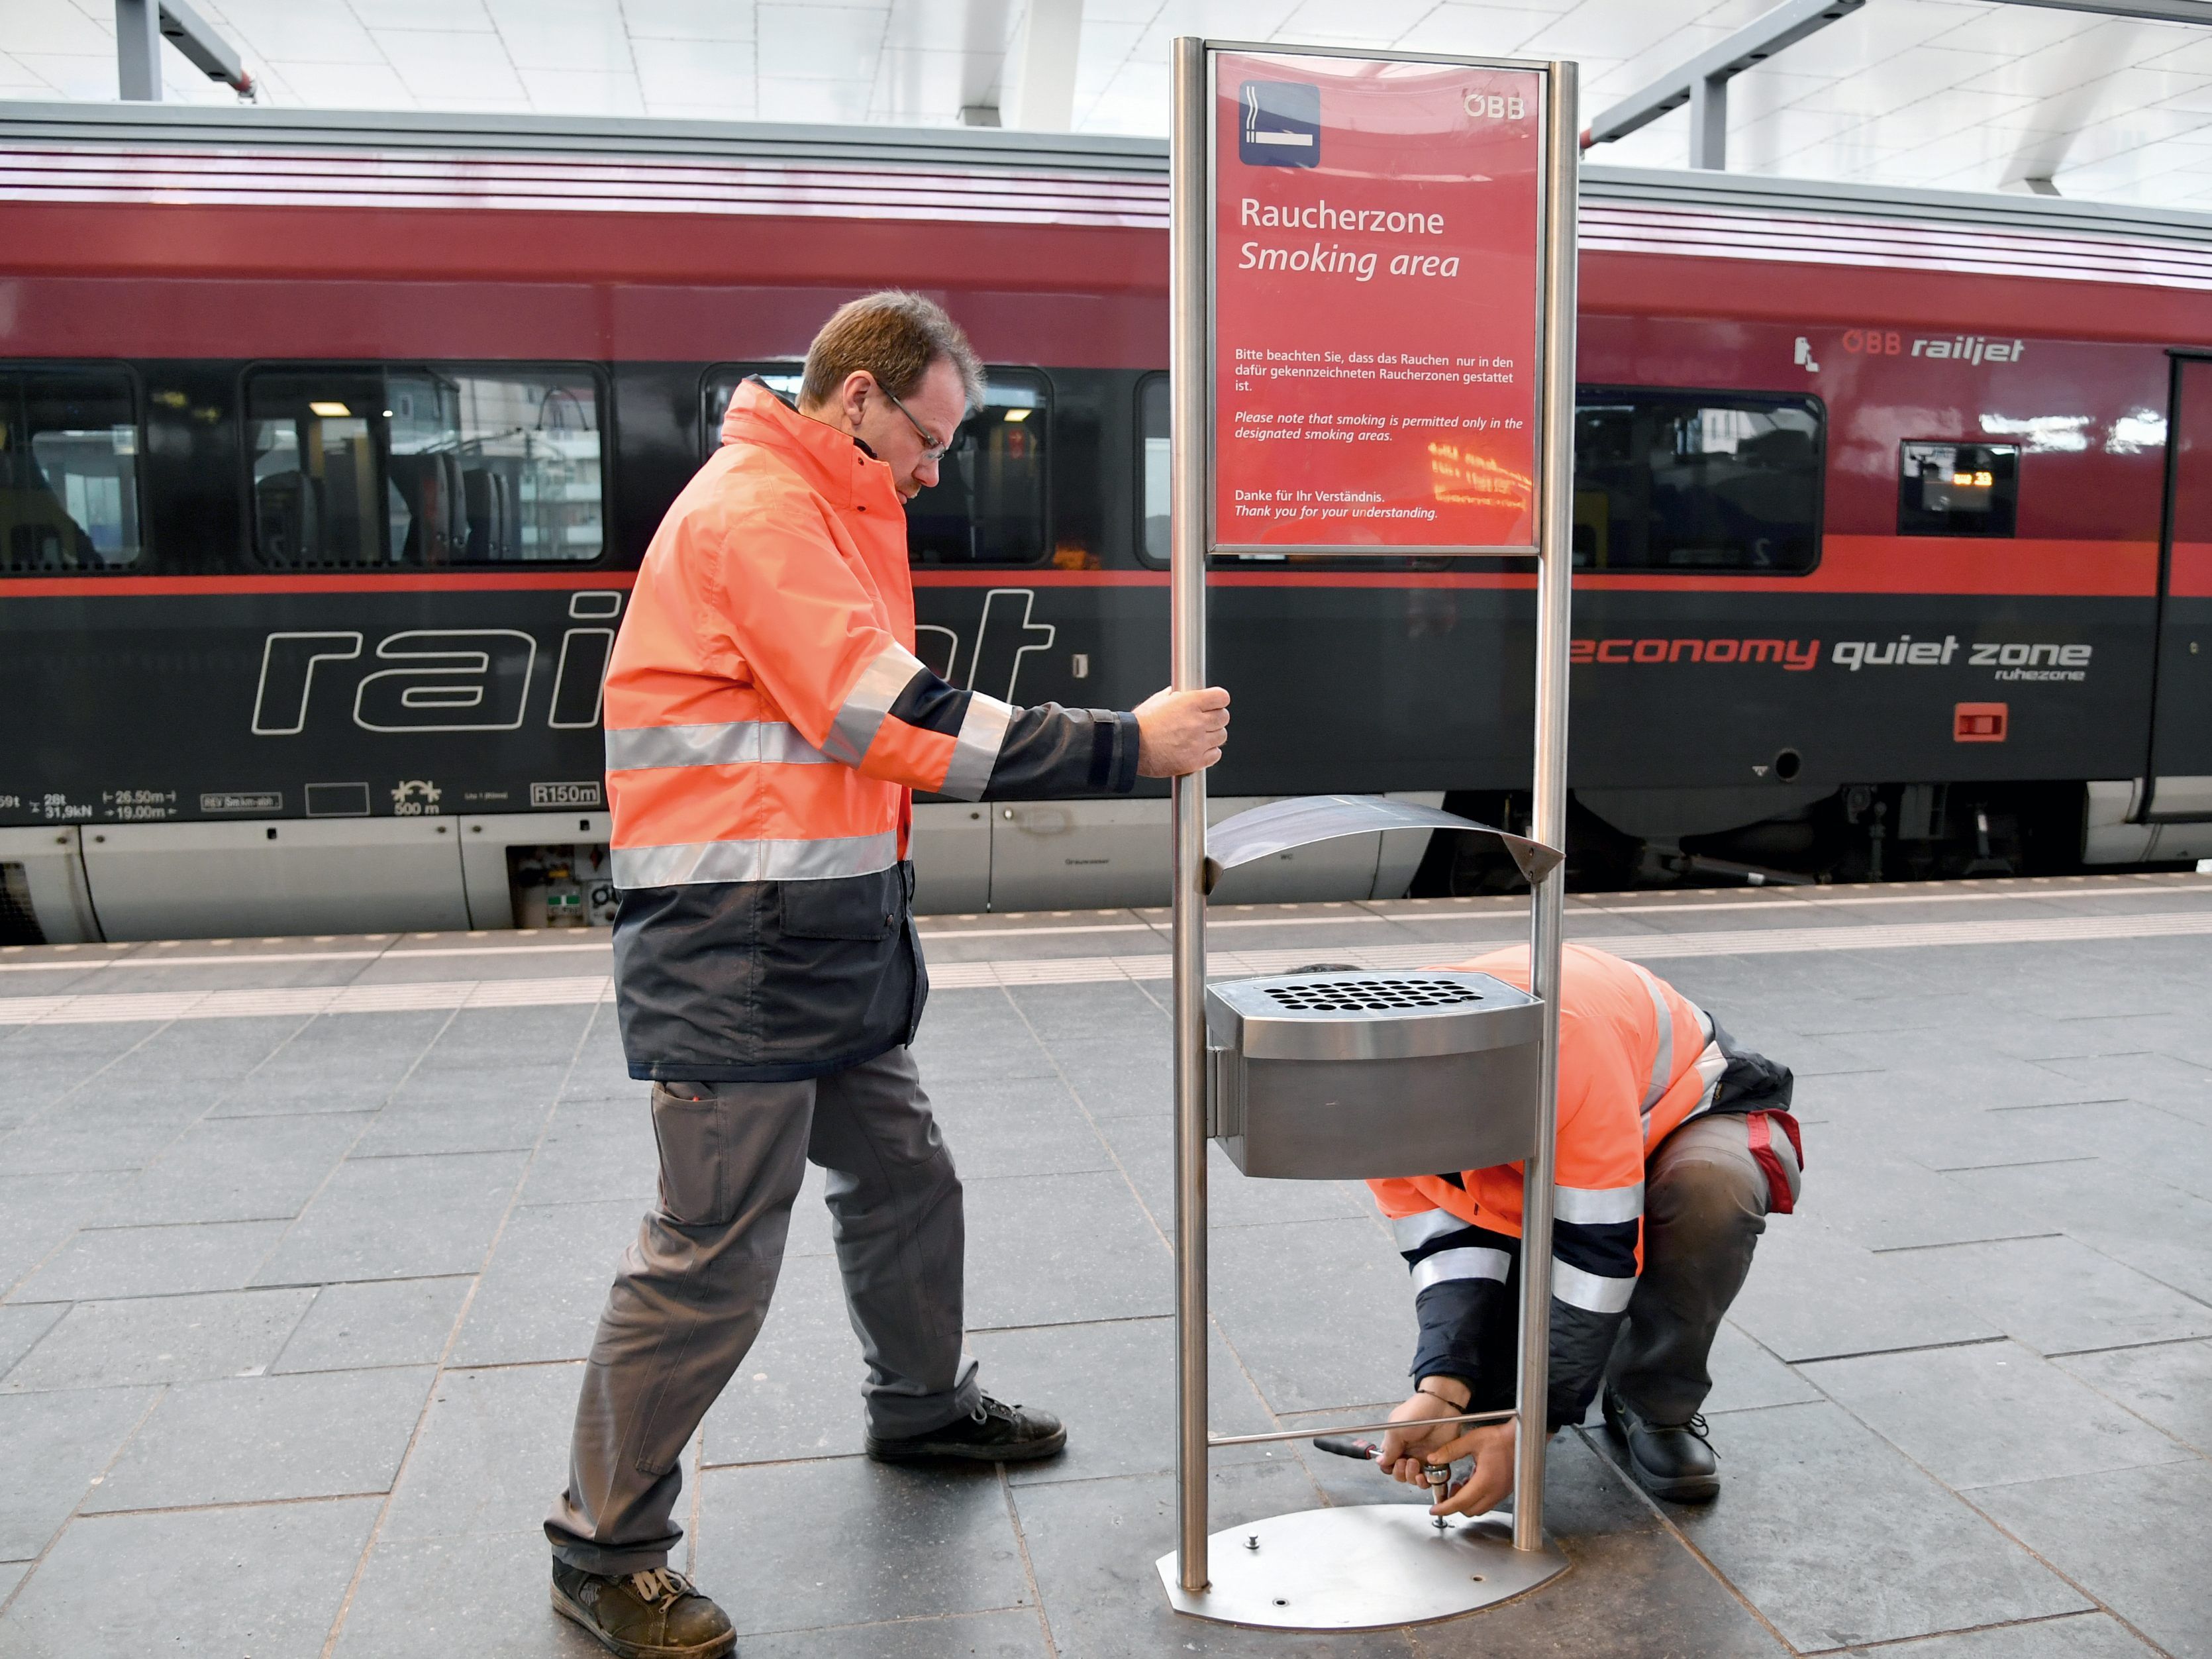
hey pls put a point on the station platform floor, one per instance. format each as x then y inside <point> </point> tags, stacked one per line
<point>302,1242</point>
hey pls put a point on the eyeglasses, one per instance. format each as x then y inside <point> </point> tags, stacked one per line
<point>932,451</point>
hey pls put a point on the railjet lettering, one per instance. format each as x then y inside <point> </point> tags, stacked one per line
<point>1333,259</point>
<point>1796,656</point>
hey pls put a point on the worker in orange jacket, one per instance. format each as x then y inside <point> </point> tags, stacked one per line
<point>767,723</point>
<point>1674,1146</point>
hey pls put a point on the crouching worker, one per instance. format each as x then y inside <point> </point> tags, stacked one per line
<point>1674,1146</point>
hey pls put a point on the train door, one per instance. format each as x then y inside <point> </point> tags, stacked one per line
<point>2181,720</point>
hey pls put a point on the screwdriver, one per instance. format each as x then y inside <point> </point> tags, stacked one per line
<point>1439,1475</point>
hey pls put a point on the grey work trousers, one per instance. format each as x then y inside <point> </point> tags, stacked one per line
<point>1706,1204</point>
<point>690,1296</point>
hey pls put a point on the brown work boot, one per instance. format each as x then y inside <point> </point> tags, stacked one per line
<point>644,1615</point>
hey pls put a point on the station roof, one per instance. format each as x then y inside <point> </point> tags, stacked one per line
<point>1904,93</point>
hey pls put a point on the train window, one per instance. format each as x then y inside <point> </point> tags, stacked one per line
<point>1696,480</point>
<point>1153,407</point>
<point>426,466</point>
<point>69,470</point>
<point>989,504</point>
<point>1957,490</point>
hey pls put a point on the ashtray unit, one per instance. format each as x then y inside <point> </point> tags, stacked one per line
<point>1336,1075</point>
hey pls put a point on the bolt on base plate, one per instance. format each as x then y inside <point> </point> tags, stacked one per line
<point>1364,1567</point>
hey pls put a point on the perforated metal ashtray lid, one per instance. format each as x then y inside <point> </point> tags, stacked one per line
<point>1356,1015</point>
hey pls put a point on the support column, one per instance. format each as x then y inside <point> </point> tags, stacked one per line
<point>1190,376</point>
<point>1709,123</point>
<point>138,50</point>
<point>1549,826</point>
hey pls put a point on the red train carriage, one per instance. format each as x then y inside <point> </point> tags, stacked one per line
<point>328,445</point>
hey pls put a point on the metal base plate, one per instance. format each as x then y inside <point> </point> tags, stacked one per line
<point>1368,1567</point>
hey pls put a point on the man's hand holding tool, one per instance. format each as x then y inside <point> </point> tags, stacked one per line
<point>1420,1443</point>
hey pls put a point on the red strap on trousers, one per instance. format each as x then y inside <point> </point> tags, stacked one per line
<point>1778,1198</point>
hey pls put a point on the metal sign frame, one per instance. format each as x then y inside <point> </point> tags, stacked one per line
<point>1545,113</point>
<point>1192,361</point>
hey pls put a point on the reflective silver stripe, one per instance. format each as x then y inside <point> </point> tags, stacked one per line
<point>1592,1292</point>
<point>975,751</point>
<point>1663,1063</point>
<point>1589,1205</point>
<point>731,742</point>
<point>1712,1062</point>
<point>1468,1263</point>
<point>861,714</point>
<point>754,861</point>
<point>1412,1231</point>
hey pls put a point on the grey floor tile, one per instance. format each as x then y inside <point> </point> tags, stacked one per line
<point>1029,1127</point>
<point>412,1129</point>
<point>1747,1378</point>
<point>492,1454</point>
<point>2160,1231</point>
<point>1050,1248</point>
<point>11,1574</point>
<point>2169,1383</point>
<point>1634,1592</point>
<point>595,1150</point>
<point>337,1063</point>
<point>541,1297</point>
<point>53,1447</point>
<point>1145,1150</point>
<point>1014,1634</point>
<point>163,1339</point>
<point>257,1581</point>
<point>403,1322</point>
<point>258,1439</point>
<point>1806,1489</point>
<point>483,1595</point>
<point>1989,1413</point>
<point>783,1542</point>
<point>2057,1294</point>
<point>1093,1544</point>
<point>98,1135</point>
<point>1127,1428</point>
<point>21,1327</point>
<point>2076,1636</point>
<point>798,1393</point>
<point>1813,1295</point>
<point>2137,1540</point>
<point>1320,1312</point>
<point>397,1217</point>
<point>2170,1147</point>
<point>480,1088</point>
<point>102,1263</point>
<point>525,1036</point>
<point>1885,1203</point>
<point>2158,1079</point>
<point>38,1212</point>
<point>240,1168</point>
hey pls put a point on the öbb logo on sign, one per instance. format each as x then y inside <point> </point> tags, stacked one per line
<point>1493,106</point>
<point>1280,125</point>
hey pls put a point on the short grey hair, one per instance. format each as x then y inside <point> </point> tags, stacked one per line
<point>895,335</point>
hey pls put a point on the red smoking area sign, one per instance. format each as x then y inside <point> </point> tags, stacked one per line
<point>1375,263</point>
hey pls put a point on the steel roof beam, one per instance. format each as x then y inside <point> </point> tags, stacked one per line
<point>141,26</point>
<point>1702,82</point>
<point>2155,11</point>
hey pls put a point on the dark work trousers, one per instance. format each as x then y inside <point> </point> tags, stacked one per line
<point>1705,1203</point>
<point>690,1295</point>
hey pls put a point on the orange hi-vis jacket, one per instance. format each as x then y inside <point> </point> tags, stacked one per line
<point>1636,1061</point>
<point>767,721</point>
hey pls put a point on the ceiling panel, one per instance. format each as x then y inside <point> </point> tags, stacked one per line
<point>1966,93</point>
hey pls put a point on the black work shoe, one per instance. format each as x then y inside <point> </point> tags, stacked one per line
<point>994,1432</point>
<point>644,1615</point>
<point>1674,1462</point>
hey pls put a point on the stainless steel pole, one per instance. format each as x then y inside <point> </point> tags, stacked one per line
<point>1189,450</point>
<point>1549,825</point>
